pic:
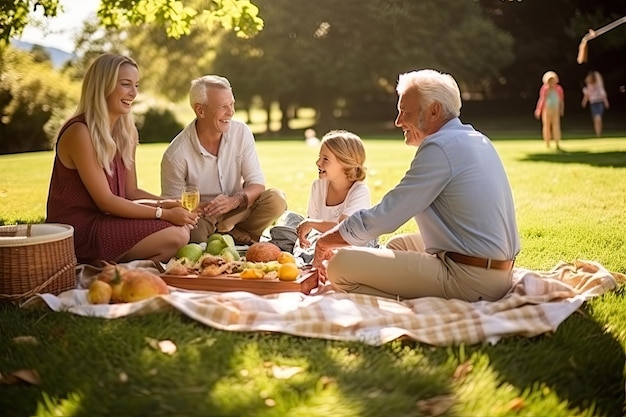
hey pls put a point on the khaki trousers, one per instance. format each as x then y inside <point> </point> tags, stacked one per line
<point>403,270</point>
<point>253,220</point>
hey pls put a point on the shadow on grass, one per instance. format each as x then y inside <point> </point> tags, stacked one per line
<point>597,159</point>
<point>581,363</point>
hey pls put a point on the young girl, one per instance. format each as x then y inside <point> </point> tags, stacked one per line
<point>94,180</point>
<point>550,108</point>
<point>595,94</point>
<point>339,191</point>
<point>336,194</point>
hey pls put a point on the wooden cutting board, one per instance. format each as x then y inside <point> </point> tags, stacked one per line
<point>232,282</point>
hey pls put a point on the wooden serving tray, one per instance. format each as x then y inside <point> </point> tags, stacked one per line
<point>224,283</point>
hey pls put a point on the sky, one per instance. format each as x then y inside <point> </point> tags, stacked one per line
<point>60,30</point>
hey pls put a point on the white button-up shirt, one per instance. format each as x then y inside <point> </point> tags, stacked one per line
<point>186,162</point>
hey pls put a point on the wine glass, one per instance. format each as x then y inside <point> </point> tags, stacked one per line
<point>190,197</point>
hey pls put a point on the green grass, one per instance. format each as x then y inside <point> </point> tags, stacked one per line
<point>570,205</point>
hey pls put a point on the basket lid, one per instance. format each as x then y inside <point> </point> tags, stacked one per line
<point>39,233</point>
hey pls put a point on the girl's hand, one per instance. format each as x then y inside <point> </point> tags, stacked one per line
<point>302,230</point>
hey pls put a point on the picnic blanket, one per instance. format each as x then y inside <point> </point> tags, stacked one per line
<point>537,303</point>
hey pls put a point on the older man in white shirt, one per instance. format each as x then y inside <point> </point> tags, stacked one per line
<point>218,155</point>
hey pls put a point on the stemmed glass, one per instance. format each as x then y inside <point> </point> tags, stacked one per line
<point>190,197</point>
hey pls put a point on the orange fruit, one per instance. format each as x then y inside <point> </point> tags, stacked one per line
<point>251,273</point>
<point>288,272</point>
<point>286,258</point>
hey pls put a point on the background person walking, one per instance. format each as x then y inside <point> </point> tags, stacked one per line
<point>550,108</point>
<point>595,94</point>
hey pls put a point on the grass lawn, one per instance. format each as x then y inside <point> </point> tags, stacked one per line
<point>569,205</point>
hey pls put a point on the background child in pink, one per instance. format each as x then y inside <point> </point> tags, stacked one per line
<point>550,108</point>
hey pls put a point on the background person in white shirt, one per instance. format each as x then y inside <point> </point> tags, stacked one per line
<point>457,191</point>
<point>218,155</point>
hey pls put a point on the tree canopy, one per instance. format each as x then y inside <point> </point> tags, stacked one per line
<point>337,54</point>
<point>240,16</point>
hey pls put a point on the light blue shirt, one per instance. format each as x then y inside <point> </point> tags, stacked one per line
<point>457,190</point>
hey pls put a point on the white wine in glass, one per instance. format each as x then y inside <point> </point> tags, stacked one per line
<point>190,197</point>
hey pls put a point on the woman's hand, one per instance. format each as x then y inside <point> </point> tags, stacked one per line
<point>180,217</point>
<point>169,204</point>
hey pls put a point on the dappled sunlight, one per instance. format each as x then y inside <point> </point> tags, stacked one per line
<point>55,406</point>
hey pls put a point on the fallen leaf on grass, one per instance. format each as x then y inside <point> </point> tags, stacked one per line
<point>285,372</point>
<point>325,382</point>
<point>30,376</point>
<point>462,371</point>
<point>165,346</point>
<point>25,340</point>
<point>436,406</point>
<point>516,404</point>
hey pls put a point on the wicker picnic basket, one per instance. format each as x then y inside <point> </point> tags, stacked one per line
<point>36,258</point>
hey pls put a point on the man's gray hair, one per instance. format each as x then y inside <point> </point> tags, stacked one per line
<point>433,86</point>
<point>199,86</point>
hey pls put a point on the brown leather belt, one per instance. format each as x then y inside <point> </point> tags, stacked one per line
<point>480,262</point>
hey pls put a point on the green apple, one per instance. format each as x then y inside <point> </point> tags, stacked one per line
<point>230,254</point>
<point>214,247</point>
<point>191,251</point>
<point>229,240</point>
<point>214,236</point>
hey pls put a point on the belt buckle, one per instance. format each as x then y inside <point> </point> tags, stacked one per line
<point>488,263</point>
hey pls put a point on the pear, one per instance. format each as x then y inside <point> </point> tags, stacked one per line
<point>141,284</point>
<point>114,275</point>
<point>99,292</point>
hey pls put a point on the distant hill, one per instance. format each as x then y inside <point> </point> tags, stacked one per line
<point>57,56</point>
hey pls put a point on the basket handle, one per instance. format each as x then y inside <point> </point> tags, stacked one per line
<point>29,293</point>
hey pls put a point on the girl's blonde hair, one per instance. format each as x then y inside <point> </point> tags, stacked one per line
<point>349,150</point>
<point>100,81</point>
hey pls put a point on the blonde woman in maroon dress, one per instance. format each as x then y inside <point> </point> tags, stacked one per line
<point>94,179</point>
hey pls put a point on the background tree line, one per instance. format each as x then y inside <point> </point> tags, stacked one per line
<point>341,59</point>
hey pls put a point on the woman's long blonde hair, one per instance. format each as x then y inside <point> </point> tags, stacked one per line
<point>100,82</point>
